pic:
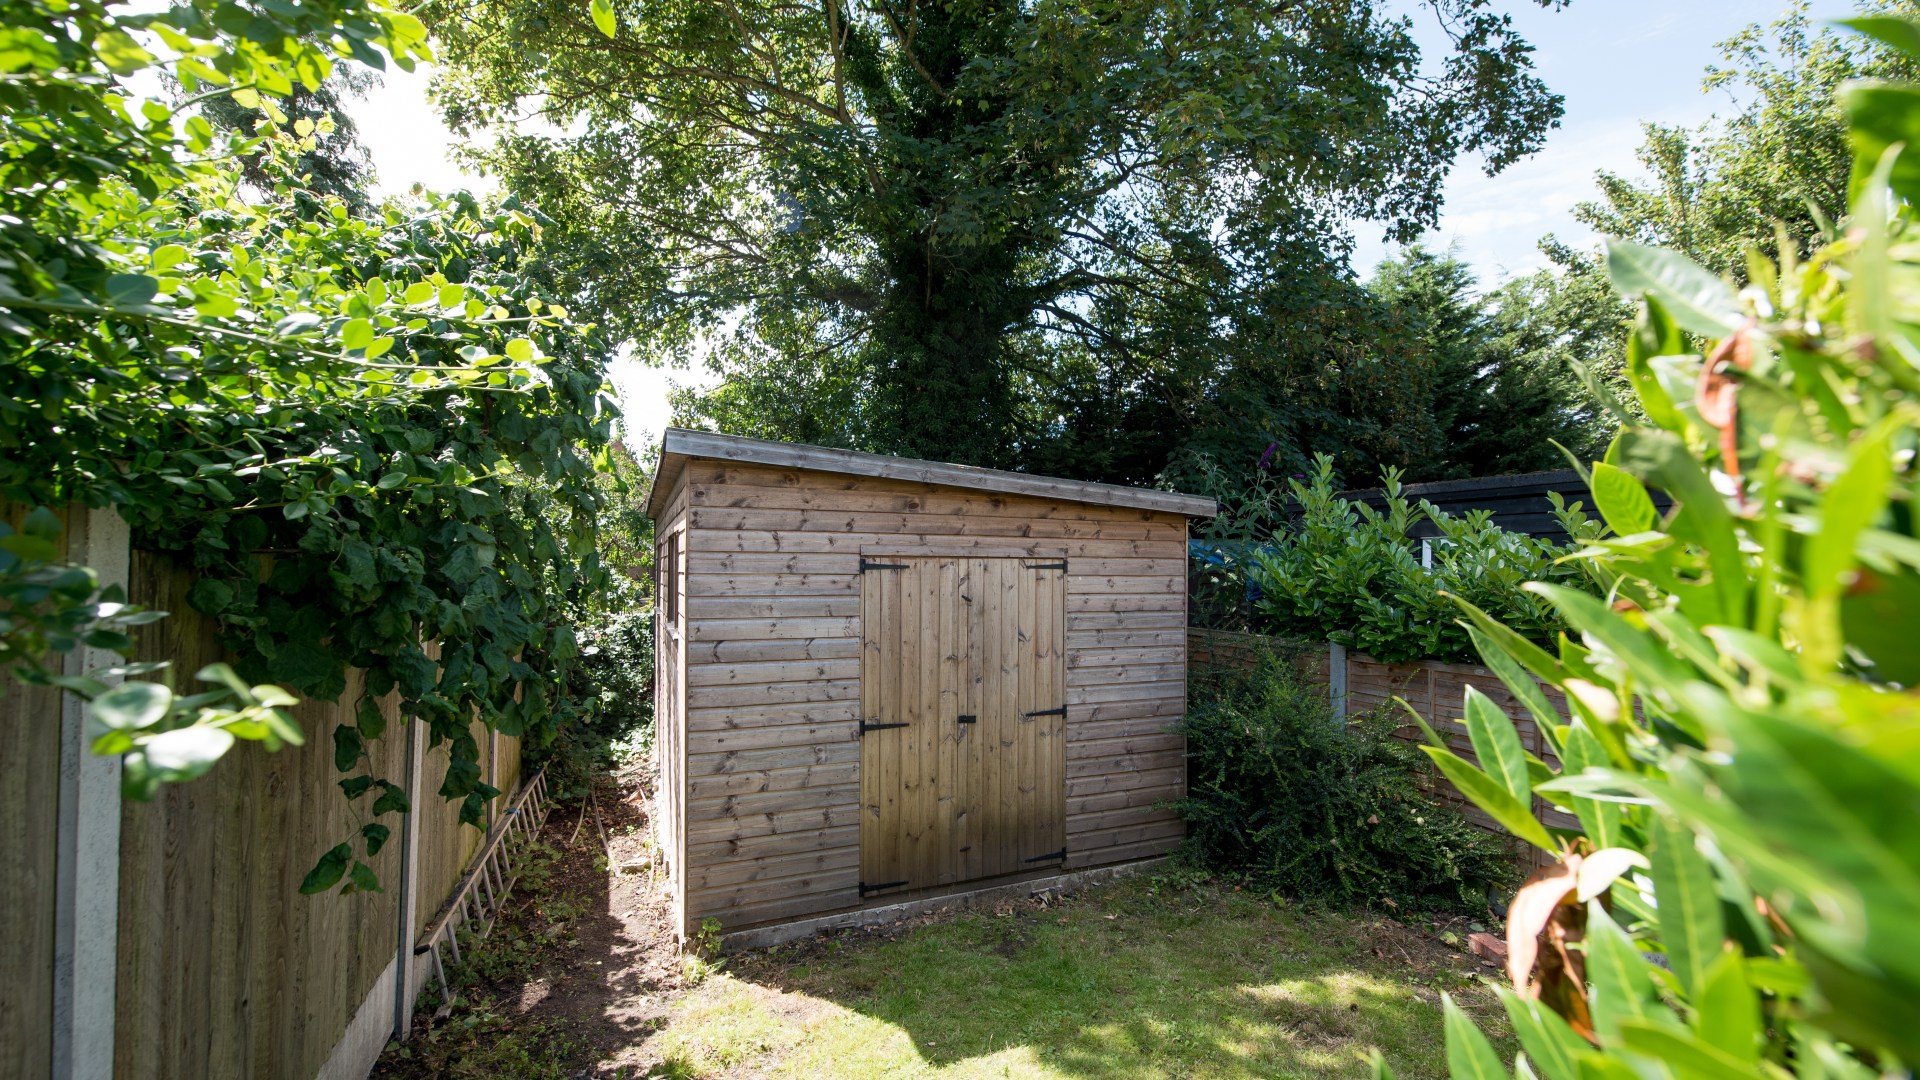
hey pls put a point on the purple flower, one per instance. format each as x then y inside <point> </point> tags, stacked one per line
<point>1266,459</point>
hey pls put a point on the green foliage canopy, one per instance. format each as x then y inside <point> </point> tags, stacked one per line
<point>968,229</point>
<point>366,433</point>
<point>1781,159</point>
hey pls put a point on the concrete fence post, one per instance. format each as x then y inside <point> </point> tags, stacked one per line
<point>409,900</point>
<point>1337,679</point>
<point>87,845</point>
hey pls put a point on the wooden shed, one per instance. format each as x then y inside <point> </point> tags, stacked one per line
<point>882,679</point>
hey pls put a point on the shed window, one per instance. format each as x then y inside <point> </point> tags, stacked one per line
<point>670,580</point>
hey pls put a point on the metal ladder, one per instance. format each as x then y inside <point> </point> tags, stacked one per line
<point>483,889</point>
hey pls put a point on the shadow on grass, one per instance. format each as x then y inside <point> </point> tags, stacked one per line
<point>1132,981</point>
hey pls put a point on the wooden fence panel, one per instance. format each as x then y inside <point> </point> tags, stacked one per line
<point>29,809</point>
<point>225,969</point>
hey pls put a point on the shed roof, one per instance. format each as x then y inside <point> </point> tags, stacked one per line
<point>679,446</point>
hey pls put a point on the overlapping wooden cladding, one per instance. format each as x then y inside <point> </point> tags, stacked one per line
<point>772,681</point>
<point>670,678</point>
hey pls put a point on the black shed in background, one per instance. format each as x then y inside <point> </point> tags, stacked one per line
<point>1519,503</point>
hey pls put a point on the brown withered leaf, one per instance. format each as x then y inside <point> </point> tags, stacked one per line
<point>1543,921</point>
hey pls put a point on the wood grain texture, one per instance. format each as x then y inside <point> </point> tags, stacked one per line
<point>225,970</point>
<point>771,700</point>
<point>29,803</point>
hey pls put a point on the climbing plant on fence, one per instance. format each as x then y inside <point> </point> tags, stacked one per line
<point>366,434</point>
<point>1743,754</point>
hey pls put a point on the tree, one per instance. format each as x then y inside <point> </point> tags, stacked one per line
<point>1500,374</point>
<point>1780,160</point>
<point>963,223</point>
<point>338,164</point>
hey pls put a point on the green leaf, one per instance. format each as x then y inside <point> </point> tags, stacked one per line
<point>120,53</point>
<point>1489,795</point>
<point>1901,34</point>
<point>356,786</point>
<point>1497,744</point>
<point>356,334</point>
<point>210,596</point>
<point>602,11</point>
<point>452,295</point>
<point>1622,987</point>
<point>328,871</point>
<point>1530,656</point>
<point>131,706</point>
<point>1622,499</point>
<point>1600,820</point>
<point>1636,648</point>
<point>1879,116</point>
<point>376,836</point>
<point>131,290</point>
<point>419,293</point>
<point>1553,1044</point>
<point>1469,1055</point>
<point>1691,928</point>
<point>1380,1070</point>
<point>1693,1058</point>
<point>166,257</point>
<point>1726,1014</point>
<point>363,879</point>
<point>1520,684</point>
<point>186,753</point>
<point>391,799</point>
<point>1856,498</point>
<point>41,524</point>
<point>369,718</point>
<point>1697,300</point>
<point>347,747</point>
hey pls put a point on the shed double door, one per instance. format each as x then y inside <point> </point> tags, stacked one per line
<point>963,729</point>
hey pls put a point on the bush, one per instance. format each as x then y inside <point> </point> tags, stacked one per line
<point>1741,756</point>
<point>1347,573</point>
<point>1281,792</point>
<point>611,693</point>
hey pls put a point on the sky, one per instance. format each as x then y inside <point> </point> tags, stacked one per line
<point>1618,63</point>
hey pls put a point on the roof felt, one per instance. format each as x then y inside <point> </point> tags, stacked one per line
<point>679,446</point>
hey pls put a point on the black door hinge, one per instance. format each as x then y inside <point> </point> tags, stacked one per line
<point>868,725</point>
<point>866,566</point>
<point>1061,565</point>
<point>869,890</point>
<point>1060,712</point>
<point>966,718</point>
<point>1059,855</point>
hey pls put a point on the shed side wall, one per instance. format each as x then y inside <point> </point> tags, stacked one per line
<point>773,673</point>
<point>669,688</point>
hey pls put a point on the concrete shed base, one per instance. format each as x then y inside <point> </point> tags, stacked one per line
<point>762,937</point>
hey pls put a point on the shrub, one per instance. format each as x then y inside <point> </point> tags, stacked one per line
<point>611,693</point>
<point>1281,792</point>
<point>1742,752</point>
<point>1347,573</point>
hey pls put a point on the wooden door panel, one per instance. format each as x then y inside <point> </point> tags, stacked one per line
<point>962,761</point>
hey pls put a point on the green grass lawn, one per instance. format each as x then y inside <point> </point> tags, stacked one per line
<point>1144,978</point>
